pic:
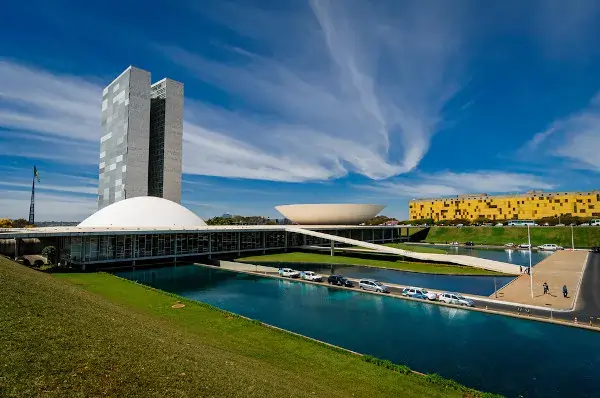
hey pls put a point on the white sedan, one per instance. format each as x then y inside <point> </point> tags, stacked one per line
<point>550,247</point>
<point>311,276</point>
<point>289,273</point>
<point>418,292</point>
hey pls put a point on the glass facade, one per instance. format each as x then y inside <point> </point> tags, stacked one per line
<point>166,134</point>
<point>123,168</point>
<point>140,146</point>
<point>127,246</point>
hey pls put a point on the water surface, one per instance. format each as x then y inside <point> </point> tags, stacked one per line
<point>512,256</point>
<point>489,352</point>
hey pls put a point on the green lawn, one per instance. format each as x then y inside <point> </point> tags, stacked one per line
<point>429,268</point>
<point>583,236</point>
<point>95,334</point>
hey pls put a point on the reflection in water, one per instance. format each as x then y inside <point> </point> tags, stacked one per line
<point>483,351</point>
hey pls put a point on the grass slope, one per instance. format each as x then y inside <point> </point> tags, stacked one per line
<point>94,334</point>
<point>583,236</point>
<point>428,268</point>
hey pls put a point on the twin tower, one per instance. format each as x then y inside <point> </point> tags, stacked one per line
<point>142,129</point>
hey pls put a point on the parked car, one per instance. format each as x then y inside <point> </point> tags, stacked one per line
<point>595,249</point>
<point>417,292</point>
<point>499,224</point>
<point>311,276</point>
<point>509,245</point>
<point>454,244</point>
<point>339,280</point>
<point>560,225</point>
<point>460,225</point>
<point>373,285</point>
<point>289,273</point>
<point>469,243</point>
<point>550,246</point>
<point>455,298</point>
<point>524,245</point>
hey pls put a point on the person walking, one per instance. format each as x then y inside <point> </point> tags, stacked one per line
<point>520,268</point>
<point>545,286</point>
<point>565,291</point>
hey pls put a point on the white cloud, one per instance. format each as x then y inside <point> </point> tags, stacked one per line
<point>575,138</point>
<point>48,116</point>
<point>322,104</point>
<point>449,184</point>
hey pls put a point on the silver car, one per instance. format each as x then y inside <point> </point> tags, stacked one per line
<point>455,298</point>
<point>373,285</point>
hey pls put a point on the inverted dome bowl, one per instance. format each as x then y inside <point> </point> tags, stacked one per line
<point>329,214</point>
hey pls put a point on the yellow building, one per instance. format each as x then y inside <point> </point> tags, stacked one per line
<point>528,206</point>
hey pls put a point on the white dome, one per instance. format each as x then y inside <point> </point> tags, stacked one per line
<point>145,212</point>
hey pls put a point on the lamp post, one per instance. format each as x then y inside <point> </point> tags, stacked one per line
<point>530,268</point>
<point>572,240</point>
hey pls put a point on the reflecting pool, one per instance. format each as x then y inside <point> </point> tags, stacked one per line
<point>512,256</point>
<point>479,285</point>
<point>488,352</point>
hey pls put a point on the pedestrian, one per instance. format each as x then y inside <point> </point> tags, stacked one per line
<point>520,268</point>
<point>565,292</point>
<point>546,289</point>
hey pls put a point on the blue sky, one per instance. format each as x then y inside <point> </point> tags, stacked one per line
<point>309,101</point>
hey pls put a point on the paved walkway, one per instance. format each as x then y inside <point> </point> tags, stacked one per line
<point>458,259</point>
<point>564,267</point>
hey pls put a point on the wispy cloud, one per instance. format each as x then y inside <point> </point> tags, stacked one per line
<point>575,138</point>
<point>48,116</point>
<point>449,183</point>
<point>350,90</point>
<point>49,207</point>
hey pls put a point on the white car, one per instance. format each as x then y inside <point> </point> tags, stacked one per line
<point>509,245</point>
<point>499,224</point>
<point>289,273</point>
<point>560,225</point>
<point>454,244</point>
<point>311,276</point>
<point>373,285</point>
<point>524,245</point>
<point>455,298</point>
<point>550,246</point>
<point>417,292</point>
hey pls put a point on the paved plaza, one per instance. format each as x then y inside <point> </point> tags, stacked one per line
<point>564,267</point>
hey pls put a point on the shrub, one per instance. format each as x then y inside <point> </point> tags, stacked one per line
<point>50,253</point>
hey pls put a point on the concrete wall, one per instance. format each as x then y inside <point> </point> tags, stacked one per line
<point>27,246</point>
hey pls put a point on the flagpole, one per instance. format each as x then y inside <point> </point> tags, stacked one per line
<point>530,268</point>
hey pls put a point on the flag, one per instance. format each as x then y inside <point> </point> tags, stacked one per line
<point>35,174</point>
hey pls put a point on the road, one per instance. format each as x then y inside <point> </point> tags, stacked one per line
<point>588,302</point>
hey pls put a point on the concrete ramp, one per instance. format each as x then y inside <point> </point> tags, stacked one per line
<point>469,261</point>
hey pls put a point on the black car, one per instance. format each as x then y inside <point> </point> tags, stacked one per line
<point>595,249</point>
<point>469,244</point>
<point>339,280</point>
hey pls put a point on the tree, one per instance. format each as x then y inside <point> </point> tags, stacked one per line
<point>378,220</point>
<point>5,223</point>
<point>50,253</point>
<point>20,223</point>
